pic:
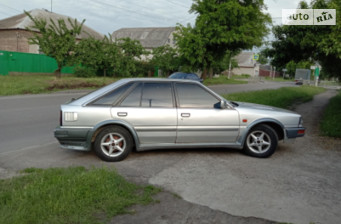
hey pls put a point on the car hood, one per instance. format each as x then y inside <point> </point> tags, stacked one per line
<point>253,106</point>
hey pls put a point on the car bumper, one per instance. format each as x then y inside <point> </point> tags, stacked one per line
<point>295,132</point>
<point>73,138</point>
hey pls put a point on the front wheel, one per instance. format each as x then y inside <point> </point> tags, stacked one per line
<point>113,144</point>
<point>261,141</point>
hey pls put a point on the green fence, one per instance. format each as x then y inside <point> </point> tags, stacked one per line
<point>30,63</point>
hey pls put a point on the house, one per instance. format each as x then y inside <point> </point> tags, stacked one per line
<point>246,64</point>
<point>14,35</point>
<point>149,37</point>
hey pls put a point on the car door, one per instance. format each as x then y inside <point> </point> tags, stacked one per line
<point>150,109</point>
<point>199,118</point>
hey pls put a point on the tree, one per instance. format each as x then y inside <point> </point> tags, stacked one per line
<point>310,43</point>
<point>100,55</point>
<point>131,51</point>
<point>221,25</point>
<point>166,58</point>
<point>56,39</point>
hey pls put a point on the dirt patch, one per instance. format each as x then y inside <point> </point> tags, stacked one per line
<point>74,84</point>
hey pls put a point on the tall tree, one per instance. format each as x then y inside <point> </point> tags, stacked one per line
<point>310,43</point>
<point>222,25</point>
<point>55,39</point>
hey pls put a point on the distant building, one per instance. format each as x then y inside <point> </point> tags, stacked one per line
<point>246,64</point>
<point>14,35</point>
<point>149,37</point>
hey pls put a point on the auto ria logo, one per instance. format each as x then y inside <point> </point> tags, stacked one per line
<point>308,17</point>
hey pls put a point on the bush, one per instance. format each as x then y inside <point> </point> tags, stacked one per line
<point>84,72</point>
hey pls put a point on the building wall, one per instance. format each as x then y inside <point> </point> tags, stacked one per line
<point>17,40</point>
<point>243,70</point>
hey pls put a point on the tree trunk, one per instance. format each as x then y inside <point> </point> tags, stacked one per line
<point>204,74</point>
<point>105,72</point>
<point>58,73</point>
<point>211,73</point>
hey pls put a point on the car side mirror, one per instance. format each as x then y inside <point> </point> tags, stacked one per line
<point>221,105</point>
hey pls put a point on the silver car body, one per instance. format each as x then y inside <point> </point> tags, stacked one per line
<point>171,127</point>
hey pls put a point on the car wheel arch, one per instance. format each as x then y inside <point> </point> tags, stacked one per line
<point>274,124</point>
<point>99,127</point>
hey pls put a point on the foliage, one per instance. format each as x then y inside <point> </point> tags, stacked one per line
<point>331,120</point>
<point>232,26</point>
<point>56,39</point>
<point>69,195</point>
<point>284,97</point>
<point>84,72</point>
<point>130,51</point>
<point>292,66</point>
<point>310,43</point>
<point>117,58</point>
<point>166,58</point>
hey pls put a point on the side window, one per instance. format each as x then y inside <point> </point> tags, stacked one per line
<point>157,95</point>
<point>192,95</point>
<point>111,97</point>
<point>134,98</point>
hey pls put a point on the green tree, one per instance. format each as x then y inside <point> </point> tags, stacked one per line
<point>166,58</point>
<point>221,25</point>
<point>56,39</point>
<point>100,55</point>
<point>310,43</point>
<point>131,51</point>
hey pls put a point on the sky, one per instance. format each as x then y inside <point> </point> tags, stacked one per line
<point>106,16</point>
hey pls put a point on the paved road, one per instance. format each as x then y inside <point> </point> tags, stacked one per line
<point>298,184</point>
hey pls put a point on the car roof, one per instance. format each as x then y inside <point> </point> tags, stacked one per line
<point>110,87</point>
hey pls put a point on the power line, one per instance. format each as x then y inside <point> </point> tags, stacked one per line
<point>10,7</point>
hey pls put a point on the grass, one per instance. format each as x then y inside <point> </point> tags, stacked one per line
<point>283,97</point>
<point>223,80</point>
<point>68,195</point>
<point>34,84</point>
<point>331,120</point>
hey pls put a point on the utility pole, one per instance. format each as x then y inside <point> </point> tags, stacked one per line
<point>51,5</point>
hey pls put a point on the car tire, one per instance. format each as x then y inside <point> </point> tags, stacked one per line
<point>113,144</point>
<point>261,141</point>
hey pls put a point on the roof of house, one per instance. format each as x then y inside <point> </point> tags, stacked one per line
<point>245,59</point>
<point>149,37</point>
<point>22,21</point>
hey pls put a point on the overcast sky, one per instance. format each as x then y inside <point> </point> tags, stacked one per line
<point>106,16</point>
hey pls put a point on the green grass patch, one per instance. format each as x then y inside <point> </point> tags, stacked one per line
<point>69,195</point>
<point>283,97</point>
<point>331,120</point>
<point>34,84</point>
<point>223,80</point>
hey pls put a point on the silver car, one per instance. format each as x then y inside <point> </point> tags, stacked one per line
<point>168,113</point>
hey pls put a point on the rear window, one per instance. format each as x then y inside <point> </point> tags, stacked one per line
<point>112,97</point>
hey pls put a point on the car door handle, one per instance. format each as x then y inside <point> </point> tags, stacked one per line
<point>122,114</point>
<point>185,114</point>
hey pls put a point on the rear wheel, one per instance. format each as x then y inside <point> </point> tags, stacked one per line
<point>113,144</point>
<point>261,141</point>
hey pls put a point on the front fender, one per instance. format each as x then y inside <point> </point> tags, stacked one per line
<point>245,131</point>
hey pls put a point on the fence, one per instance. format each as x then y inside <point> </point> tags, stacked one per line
<point>28,63</point>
